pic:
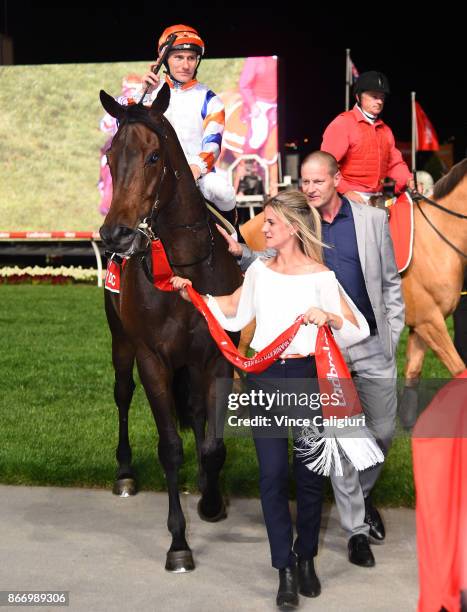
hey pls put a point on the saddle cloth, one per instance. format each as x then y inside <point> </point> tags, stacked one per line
<point>401,228</point>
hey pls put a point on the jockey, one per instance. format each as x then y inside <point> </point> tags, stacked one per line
<point>364,145</point>
<point>195,112</point>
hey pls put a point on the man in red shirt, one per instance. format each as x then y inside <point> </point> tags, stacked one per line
<point>364,145</point>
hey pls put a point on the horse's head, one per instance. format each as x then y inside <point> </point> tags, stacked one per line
<point>139,165</point>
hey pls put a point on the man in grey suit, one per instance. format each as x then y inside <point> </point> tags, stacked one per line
<point>362,257</point>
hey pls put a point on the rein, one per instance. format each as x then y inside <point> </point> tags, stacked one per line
<point>448,242</point>
<point>193,227</point>
<point>417,196</point>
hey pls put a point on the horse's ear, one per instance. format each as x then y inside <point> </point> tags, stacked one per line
<point>161,103</point>
<point>111,105</point>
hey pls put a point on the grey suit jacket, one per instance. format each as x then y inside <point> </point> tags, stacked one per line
<point>382,279</point>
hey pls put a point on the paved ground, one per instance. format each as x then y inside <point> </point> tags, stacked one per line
<point>109,553</point>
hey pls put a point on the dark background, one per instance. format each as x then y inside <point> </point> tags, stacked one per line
<point>416,52</point>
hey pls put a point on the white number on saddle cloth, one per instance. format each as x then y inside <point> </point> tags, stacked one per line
<point>112,276</point>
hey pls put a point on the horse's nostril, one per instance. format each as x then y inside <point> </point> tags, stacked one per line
<point>120,232</point>
<point>126,231</point>
<point>104,233</point>
<point>116,235</point>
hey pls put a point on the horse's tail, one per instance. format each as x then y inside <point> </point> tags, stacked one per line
<point>182,397</point>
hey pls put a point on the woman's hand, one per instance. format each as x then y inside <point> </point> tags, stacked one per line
<point>179,284</point>
<point>316,316</point>
<point>234,247</point>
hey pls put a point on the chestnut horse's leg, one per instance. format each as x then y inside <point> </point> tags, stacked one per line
<point>157,381</point>
<point>123,358</point>
<point>434,332</point>
<point>415,354</point>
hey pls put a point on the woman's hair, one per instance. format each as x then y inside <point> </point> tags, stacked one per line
<point>293,208</point>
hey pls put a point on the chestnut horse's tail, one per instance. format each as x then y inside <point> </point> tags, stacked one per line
<point>182,397</point>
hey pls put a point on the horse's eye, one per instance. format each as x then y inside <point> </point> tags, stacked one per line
<point>152,158</point>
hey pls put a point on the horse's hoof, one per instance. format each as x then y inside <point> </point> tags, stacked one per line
<point>221,515</point>
<point>179,561</point>
<point>124,487</point>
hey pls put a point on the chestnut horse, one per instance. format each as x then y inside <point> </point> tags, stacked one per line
<point>154,194</point>
<point>433,281</point>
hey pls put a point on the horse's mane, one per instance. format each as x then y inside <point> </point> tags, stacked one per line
<point>447,183</point>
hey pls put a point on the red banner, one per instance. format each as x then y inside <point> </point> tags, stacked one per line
<point>427,140</point>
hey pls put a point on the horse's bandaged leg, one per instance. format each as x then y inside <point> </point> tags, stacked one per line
<point>218,191</point>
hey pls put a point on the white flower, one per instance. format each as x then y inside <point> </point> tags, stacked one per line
<point>75,273</point>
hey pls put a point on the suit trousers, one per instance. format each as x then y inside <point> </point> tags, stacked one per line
<point>273,460</point>
<point>375,377</point>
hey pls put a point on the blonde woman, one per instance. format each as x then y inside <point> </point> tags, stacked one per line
<point>276,291</point>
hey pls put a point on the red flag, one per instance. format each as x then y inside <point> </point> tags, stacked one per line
<point>427,140</point>
<point>353,71</point>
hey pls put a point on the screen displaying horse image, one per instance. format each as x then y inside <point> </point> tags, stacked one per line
<point>53,169</point>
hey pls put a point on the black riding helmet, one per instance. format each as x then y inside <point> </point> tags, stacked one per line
<point>372,81</point>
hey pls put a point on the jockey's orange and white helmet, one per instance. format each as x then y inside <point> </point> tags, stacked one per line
<point>187,39</point>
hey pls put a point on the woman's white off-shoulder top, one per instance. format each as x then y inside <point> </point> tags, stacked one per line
<point>276,299</point>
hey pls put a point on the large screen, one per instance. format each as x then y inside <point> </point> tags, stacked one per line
<point>54,133</point>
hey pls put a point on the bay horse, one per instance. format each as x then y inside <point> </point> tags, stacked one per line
<point>154,194</point>
<point>432,283</point>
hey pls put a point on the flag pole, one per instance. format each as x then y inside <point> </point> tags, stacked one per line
<point>414,133</point>
<point>347,78</point>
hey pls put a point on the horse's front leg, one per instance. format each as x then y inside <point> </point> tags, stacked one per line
<point>156,380</point>
<point>123,358</point>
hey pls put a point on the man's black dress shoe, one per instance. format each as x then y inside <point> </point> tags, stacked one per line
<point>374,520</point>
<point>308,582</point>
<point>360,551</point>
<point>287,595</point>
